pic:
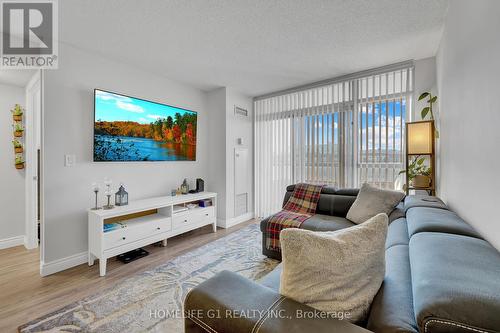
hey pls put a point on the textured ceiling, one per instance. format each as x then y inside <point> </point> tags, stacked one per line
<point>254,46</point>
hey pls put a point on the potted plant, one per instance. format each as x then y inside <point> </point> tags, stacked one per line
<point>428,109</point>
<point>419,174</point>
<point>18,146</point>
<point>18,130</point>
<point>17,113</point>
<point>19,162</point>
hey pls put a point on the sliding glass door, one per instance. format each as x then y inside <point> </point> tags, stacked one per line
<point>343,134</point>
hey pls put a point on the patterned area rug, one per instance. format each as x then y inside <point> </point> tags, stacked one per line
<point>152,301</point>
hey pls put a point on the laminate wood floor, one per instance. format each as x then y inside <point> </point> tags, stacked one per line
<point>25,295</point>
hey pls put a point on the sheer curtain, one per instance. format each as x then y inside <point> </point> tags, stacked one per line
<point>344,132</point>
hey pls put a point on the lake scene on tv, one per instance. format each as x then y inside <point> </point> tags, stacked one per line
<point>132,129</point>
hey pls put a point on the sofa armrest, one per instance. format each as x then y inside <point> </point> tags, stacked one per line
<point>230,303</point>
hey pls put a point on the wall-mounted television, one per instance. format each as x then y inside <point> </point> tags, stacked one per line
<point>133,129</point>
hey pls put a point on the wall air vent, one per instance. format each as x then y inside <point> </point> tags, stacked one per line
<point>240,111</point>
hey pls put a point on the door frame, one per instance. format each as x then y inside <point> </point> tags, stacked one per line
<point>33,131</point>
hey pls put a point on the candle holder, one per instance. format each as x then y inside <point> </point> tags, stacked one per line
<point>108,183</point>
<point>95,188</point>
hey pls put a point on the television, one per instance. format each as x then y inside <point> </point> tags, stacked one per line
<point>130,129</point>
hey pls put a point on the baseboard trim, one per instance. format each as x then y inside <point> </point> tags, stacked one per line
<point>63,263</point>
<point>228,223</point>
<point>11,242</point>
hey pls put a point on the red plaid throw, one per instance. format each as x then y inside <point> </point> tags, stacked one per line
<point>300,206</point>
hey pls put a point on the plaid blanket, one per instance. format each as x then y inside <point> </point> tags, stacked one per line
<point>300,206</point>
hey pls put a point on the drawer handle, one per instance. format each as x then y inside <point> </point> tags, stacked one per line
<point>158,228</point>
<point>123,238</point>
<point>206,214</point>
<point>185,220</point>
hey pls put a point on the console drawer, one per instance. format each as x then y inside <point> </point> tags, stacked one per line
<point>135,232</point>
<point>194,216</point>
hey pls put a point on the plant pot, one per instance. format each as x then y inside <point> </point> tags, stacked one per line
<point>20,166</point>
<point>18,134</point>
<point>18,150</point>
<point>421,181</point>
<point>17,118</point>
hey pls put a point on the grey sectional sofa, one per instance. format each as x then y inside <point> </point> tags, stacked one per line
<point>441,276</point>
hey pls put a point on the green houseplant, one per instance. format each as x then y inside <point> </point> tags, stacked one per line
<point>419,174</point>
<point>19,161</point>
<point>17,113</point>
<point>18,130</point>
<point>428,109</point>
<point>18,146</point>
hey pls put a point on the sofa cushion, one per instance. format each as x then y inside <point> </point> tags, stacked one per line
<point>372,201</point>
<point>412,201</point>
<point>320,222</point>
<point>397,233</point>
<point>331,204</point>
<point>336,272</point>
<point>455,282</point>
<point>428,219</point>
<point>392,307</point>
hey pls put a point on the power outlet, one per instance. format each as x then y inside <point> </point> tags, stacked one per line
<point>69,160</point>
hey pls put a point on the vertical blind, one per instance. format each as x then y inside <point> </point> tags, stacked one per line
<point>343,133</point>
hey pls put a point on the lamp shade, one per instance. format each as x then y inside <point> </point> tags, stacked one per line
<point>420,136</point>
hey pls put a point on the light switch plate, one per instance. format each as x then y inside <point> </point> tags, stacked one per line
<point>69,160</point>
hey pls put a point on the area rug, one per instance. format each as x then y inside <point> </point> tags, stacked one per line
<point>152,301</point>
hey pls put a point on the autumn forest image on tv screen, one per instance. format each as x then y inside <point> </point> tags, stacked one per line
<point>132,129</point>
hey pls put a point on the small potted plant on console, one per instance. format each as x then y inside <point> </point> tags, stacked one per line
<point>419,174</point>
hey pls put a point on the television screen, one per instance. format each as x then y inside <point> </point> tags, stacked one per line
<point>133,129</point>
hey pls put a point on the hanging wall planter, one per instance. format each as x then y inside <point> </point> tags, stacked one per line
<point>17,113</point>
<point>18,130</point>
<point>18,146</point>
<point>19,162</point>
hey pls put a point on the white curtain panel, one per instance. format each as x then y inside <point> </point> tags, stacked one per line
<point>342,133</point>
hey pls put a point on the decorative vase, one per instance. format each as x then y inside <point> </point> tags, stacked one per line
<point>20,166</point>
<point>421,181</point>
<point>17,117</point>
<point>18,134</point>
<point>18,150</point>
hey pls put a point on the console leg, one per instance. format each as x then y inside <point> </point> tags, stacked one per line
<point>102,267</point>
<point>164,243</point>
<point>214,226</point>
<point>91,259</point>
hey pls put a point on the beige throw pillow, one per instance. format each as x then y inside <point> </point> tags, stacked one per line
<point>372,201</point>
<point>337,272</point>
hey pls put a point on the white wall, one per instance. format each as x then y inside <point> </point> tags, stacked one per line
<point>216,106</point>
<point>68,129</point>
<point>238,127</point>
<point>425,80</point>
<point>468,70</point>
<point>12,194</point>
<point>224,129</point>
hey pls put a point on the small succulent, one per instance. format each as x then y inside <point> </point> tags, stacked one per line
<point>18,127</point>
<point>19,159</point>
<point>17,144</point>
<point>17,110</point>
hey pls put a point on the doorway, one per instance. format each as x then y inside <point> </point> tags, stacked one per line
<point>33,129</point>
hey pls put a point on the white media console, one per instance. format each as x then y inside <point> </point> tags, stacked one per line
<point>145,222</point>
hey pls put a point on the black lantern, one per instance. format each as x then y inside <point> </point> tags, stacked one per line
<point>121,197</point>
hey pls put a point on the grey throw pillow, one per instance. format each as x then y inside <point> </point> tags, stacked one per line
<point>372,201</point>
<point>336,272</point>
